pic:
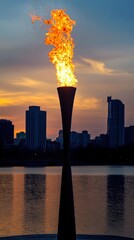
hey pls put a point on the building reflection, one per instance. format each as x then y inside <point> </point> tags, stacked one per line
<point>52,202</point>
<point>90,202</point>
<point>18,204</point>
<point>6,203</point>
<point>115,201</point>
<point>34,203</point>
<point>129,206</point>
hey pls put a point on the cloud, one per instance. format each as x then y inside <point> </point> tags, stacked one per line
<point>21,98</point>
<point>11,98</point>
<point>27,82</point>
<point>87,103</point>
<point>98,67</point>
<point>91,66</point>
<point>50,100</point>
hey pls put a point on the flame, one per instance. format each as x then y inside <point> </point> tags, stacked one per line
<point>35,18</point>
<point>59,35</point>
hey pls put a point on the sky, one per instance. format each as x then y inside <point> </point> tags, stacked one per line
<point>103,58</point>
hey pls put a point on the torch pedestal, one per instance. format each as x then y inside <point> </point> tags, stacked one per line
<point>66,224</point>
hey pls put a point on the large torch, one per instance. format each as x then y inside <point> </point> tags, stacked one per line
<point>59,35</point>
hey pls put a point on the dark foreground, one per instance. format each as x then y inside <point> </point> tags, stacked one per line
<point>88,156</point>
<point>54,237</point>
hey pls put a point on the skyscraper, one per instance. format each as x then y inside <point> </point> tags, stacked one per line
<point>115,122</point>
<point>36,128</point>
<point>6,132</point>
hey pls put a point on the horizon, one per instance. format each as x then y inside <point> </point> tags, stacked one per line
<point>104,57</point>
<point>72,130</point>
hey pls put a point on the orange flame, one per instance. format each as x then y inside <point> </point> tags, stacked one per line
<point>59,35</point>
<point>35,18</point>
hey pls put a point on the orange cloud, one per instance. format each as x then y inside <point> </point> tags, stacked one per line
<point>21,98</point>
<point>27,82</point>
<point>91,66</point>
<point>87,103</point>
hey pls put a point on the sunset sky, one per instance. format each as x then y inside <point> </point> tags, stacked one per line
<point>104,60</point>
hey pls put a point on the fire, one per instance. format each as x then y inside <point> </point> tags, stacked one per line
<point>35,18</point>
<point>59,35</point>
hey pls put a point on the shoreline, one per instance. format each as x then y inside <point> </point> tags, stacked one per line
<point>54,237</point>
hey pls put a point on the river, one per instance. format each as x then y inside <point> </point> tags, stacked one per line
<point>103,199</point>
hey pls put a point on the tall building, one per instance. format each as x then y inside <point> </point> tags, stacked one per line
<point>115,122</point>
<point>6,132</point>
<point>36,128</point>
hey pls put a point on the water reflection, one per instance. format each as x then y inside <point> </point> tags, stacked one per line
<point>129,206</point>
<point>90,204</point>
<point>115,200</point>
<point>6,203</point>
<point>34,202</point>
<point>52,199</point>
<point>18,204</point>
<point>29,203</point>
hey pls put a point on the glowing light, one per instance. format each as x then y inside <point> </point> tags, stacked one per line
<point>59,35</point>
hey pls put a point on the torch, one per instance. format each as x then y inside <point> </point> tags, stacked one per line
<point>66,225</point>
<point>59,35</point>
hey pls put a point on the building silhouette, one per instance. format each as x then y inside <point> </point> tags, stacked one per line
<point>77,140</point>
<point>85,138</point>
<point>36,128</point>
<point>20,139</point>
<point>101,141</point>
<point>115,122</point>
<point>129,135</point>
<point>6,132</point>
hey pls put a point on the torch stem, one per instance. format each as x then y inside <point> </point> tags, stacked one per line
<point>66,224</point>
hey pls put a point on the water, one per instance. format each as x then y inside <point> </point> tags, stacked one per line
<point>104,197</point>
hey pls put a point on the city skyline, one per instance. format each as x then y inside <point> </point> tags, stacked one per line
<point>104,40</point>
<point>115,117</point>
